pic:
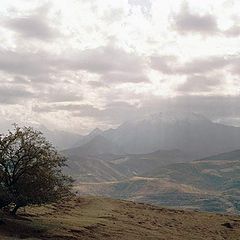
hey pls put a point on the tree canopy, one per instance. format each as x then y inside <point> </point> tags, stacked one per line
<point>30,170</point>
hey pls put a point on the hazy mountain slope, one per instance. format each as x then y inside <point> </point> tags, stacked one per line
<point>99,218</point>
<point>187,132</point>
<point>98,161</point>
<point>87,138</point>
<point>96,146</point>
<point>60,139</point>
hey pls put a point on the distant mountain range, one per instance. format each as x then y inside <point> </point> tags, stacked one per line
<point>190,133</point>
<point>154,160</point>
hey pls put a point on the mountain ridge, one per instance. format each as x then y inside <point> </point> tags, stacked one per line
<point>188,132</point>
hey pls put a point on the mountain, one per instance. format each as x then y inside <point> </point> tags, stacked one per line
<point>88,218</point>
<point>94,133</point>
<point>212,184</point>
<point>60,139</point>
<point>96,146</point>
<point>188,132</point>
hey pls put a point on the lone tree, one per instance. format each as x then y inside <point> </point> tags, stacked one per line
<point>30,170</point>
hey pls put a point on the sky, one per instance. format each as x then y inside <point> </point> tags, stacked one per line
<point>74,65</point>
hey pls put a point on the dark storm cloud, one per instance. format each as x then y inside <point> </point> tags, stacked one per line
<point>200,83</point>
<point>185,22</point>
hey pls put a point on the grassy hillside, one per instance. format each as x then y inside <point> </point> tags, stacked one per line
<point>100,218</point>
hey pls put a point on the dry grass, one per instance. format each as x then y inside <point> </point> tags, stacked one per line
<point>101,218</point>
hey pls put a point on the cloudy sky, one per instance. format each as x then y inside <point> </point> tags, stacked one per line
<point>78,64</point>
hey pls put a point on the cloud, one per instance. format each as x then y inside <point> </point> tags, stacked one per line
<point>14,94</point>
<point>105,59</point>
<point>144,4</point>
<point>82,77</point>
<point>203,65</point>
<point>34,25</point>
<point>233,31</point>
<point>187,22</point>
<point>200,83</point>
<point>213,107</point>
<point>205,24</point>
<point>121,77</point>
<point>46,108</point>
<point>62,95</point>
<point>24,63</point>
<point>164,64</point>
<point>171,65</point>
<point>112,64</point>
<point>113,113</point>
<point>216,108</point>
<point>96,84</point>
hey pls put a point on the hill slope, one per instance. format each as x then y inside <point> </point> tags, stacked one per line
<point>99,218</point>
<point>208,185</point>
<point>233,155</point>
<point>101,161</point>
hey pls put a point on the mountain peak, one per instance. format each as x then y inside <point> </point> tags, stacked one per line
<point>95,132</point>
